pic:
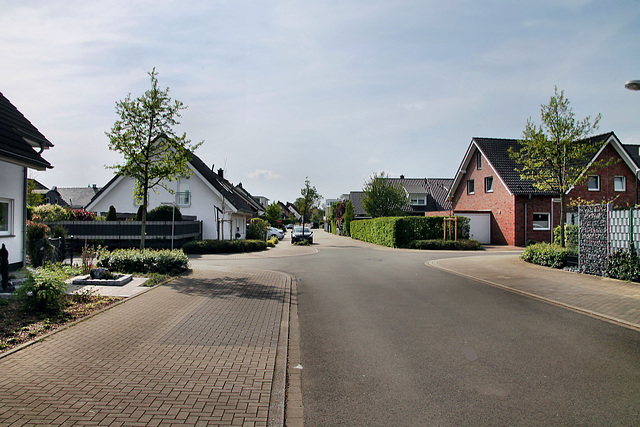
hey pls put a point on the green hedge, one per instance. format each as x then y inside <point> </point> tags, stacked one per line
<point>446,245</point>
<point>399,232</point>
<point>224,246</point>
<point>624,265</point>
<point>146,261</point>
<point>570,236</point>
<point>545,254</point>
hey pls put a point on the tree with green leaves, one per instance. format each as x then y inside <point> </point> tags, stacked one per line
<point>154,154</point>
<point>273,214</point>
<point>33,198</point>
<point>554,154</point>
<point>349,216</point>
<point>309,200</point>
<point>383,197</point>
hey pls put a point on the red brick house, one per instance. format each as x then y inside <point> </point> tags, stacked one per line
<point>506,210</point>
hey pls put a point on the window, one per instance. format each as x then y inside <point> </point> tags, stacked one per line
<point>470,187</point>
<point>619,183</point>
<point>183,196</point>
<point>541,221</point>
<point>594,183</point>
<point>6,212</point>
<point>419,199</point>
<point>488,184</point>
<point>479,161</point>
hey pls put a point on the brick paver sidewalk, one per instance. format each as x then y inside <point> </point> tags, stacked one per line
<point>200,350</point>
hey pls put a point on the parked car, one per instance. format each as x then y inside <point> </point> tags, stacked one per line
<point>289,226</point>
<point>272,231</point>
<point>300,233</point>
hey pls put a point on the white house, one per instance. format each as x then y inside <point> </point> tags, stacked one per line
<point>18,138</point>
<point>205,194</point>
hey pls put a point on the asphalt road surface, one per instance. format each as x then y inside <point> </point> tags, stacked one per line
<point>387,340</point>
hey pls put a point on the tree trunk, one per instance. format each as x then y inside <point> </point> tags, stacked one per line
<point>145,201</point>
<point>563,216</point>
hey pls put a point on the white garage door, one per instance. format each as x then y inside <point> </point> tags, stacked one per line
<point>480,224</point>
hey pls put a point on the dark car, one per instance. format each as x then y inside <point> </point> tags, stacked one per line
<point>299,234</point>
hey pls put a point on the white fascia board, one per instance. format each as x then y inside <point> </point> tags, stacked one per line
<point>213,189</point>
<point>462,169</point>
<point>104,193</point>
<point>496,172</point>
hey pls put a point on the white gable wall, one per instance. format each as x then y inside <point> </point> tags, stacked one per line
<point>203,203</point>
<point>12,191</point>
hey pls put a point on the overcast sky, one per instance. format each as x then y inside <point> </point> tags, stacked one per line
<point>332,90</point>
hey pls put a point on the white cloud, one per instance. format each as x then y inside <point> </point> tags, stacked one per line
<point>264,174</point>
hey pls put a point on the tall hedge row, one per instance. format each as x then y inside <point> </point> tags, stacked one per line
<point>399,232</point>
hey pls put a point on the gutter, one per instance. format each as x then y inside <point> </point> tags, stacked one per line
<point>526,216</point>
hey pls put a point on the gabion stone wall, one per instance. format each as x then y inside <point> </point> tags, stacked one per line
<point>593,239</point>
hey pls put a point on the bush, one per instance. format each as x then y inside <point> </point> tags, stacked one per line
<point>44,290</point>
<point>164,213</point>
<point>51,213</point>
<point>112,215</point>
<point>401,231</point>
<point>446,245</point>
<point>146,261</point>
<point>257,229</point>
<point>38,246</point>
<point>224,246</point>
<point>623,265</point>
<point>570,236</point>
<point>545,254</point>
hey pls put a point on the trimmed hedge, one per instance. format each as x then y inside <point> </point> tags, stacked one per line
<point>146,261</point>
<point>399,232</point>
<point>545,254</point>
<point>624,265</point>
<point>446,245</point>
<point>570,236</point>
<point>224,246</point>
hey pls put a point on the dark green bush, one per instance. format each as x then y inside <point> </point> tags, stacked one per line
<point>38,246</point>
<point>223,246</point>
<point>147,261</point>
<point>545,254</point>
<point>164,213</point>
<point>624,265</point>
<point>112,215</point>
<point>401,231</point>
<point>446,245</point>
<point>257,229</point>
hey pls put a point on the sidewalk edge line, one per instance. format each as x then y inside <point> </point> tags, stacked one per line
<point>594,314</point>
<point>279,381</point>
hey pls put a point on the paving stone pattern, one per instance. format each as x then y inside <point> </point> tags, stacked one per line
<point>198,351</point>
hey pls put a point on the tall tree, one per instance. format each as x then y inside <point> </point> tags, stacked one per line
<point>273,214</point>
<point>555,153</point>
<point>154,154</point>
<point>309,200</point>
<point>383,197</point>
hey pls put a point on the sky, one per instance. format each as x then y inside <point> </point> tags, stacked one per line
<point>330,90</point>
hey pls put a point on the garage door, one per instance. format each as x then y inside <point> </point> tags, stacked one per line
<point>480,225</point>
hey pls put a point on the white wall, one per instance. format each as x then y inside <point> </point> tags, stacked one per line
<point>12,188</point>
<point>203,202</point>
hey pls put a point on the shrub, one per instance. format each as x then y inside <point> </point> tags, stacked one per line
<point>223,246</point>
<point>545,254</point>
<point>112,215</point>
<point>38,246</point>
<point>82,215</point>
<point>44,289</point>
<point>623,265</point>
<point>51,213</point>
<point>164,213</point>
<point>257,229</point>
<point>146,261</point>
<point>446,245</point>
<point>570,236</point>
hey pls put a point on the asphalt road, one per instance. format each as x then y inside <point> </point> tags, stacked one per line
<point>387,340</point>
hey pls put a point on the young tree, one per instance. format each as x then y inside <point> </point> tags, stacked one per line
<point>383,197</point>
<point>554,154</point>
<point>349,216</point>
<point>153,153</point>
<point>273,214</point>
<point>309,200</point>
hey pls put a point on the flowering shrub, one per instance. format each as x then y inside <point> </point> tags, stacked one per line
<point>50,213</point>
<point>82,215</point>
<point>147,261</point>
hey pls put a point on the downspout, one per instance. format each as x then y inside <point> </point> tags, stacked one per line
<point>24,218</point>
<point>526,216</point>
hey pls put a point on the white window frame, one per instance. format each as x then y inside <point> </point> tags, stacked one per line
<point>597,180</point>
<point>623,180</point>
<point>533,221</point>
<point>471,186</point>
<point>9,203</point>
<point>418,199</point>
<point>183,195</point>
<point>488,188</point>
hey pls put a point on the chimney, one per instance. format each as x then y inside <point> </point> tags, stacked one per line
<point>213,166</point>
<point>401,176</point>
<point>221,173</point>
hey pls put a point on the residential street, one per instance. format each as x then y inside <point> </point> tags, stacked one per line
<point>387,339</point>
